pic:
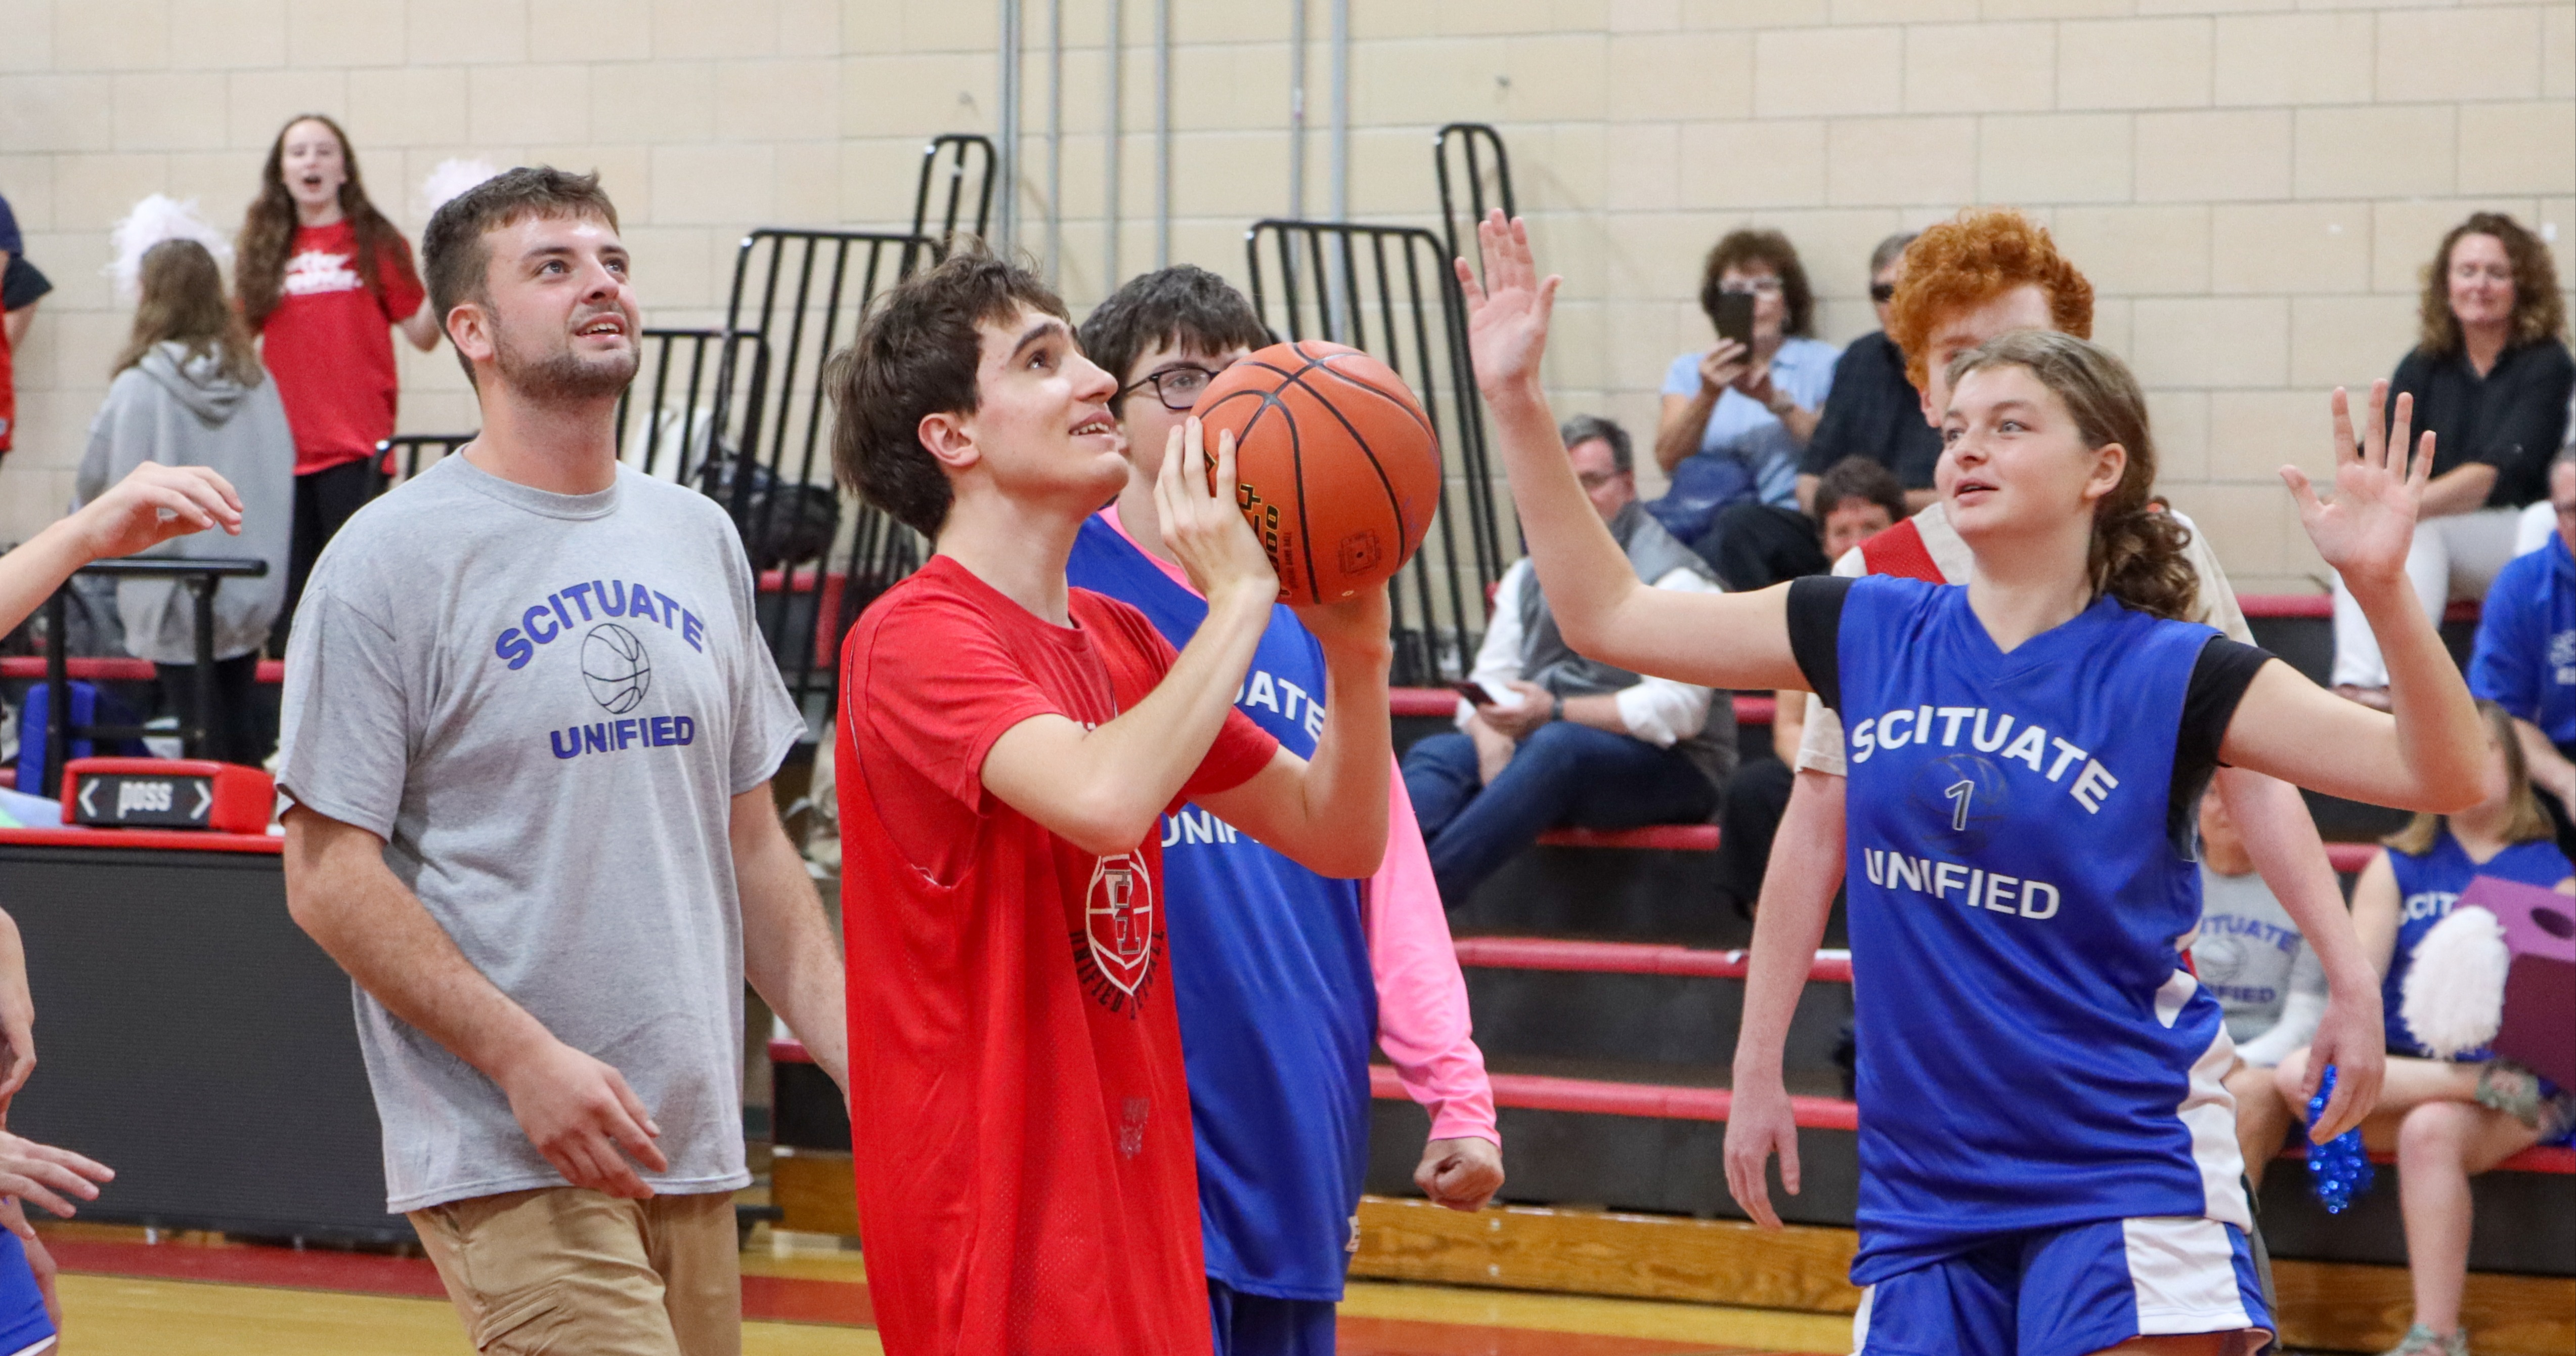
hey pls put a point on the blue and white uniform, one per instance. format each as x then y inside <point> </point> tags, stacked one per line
<point>2048,1157</point>
<point>2427,887</point>
<point>25,1328</point>
<point>1278,1007</point>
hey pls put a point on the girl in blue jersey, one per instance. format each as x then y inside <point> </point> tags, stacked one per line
<point>2048,1158</point>
<point>2450,1119</point>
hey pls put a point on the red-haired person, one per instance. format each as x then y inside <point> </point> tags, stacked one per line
<point>324,279</point>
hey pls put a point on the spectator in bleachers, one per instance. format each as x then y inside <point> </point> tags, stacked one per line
<point>22,285</point>
<point>325,279</point>
<point>1735,418</point>
<point>1855,500</point>
<point>2451,1119</point>
<point>1874,411</point>
<point>1568,740</point>
<point>2525,657</point>
<point>189,391</point>
<point>2490,374</point>
<point>2263,974</point>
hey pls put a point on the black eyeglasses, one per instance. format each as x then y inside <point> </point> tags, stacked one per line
<point>1177,386</point>
<point>1882,293</point>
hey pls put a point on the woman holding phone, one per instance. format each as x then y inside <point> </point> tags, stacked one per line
<point>1736,417</point>
<point>2048,1162</point>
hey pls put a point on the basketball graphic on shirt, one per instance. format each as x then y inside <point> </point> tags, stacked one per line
<point>614,663</point>
<point>1965,793</point>
<point>2219,960</point>
<point>1118,919</point>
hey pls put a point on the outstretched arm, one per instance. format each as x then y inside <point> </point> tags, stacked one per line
<point>1728,640</point>
<point>2430,751</point>
<point>151,505</point>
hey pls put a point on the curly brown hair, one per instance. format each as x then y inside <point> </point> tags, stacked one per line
<point>1971,259</point>
<point>2137,552</point>
<point>268,229</point>
<point>1770,250</point>
<point>2539,312</point>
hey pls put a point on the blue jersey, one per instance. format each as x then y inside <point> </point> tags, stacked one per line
<point>24,1325</point>
<point>2031,1053</point>
<point>2427,887</point>
<point>1270,969</point>
<point>2525,657</point>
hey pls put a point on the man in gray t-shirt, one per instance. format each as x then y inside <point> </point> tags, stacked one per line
<point>529,728</point>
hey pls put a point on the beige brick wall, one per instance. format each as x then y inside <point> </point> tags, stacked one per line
<point>2252,184</point>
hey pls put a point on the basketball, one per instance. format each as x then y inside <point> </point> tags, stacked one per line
<point>615,665</point>
<point>1336,467</point>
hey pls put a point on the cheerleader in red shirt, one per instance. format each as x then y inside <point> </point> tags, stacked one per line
<point>324,279</point>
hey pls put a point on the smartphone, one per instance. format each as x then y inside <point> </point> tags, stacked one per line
<point>1474,692</point>
<point>1735,317</point>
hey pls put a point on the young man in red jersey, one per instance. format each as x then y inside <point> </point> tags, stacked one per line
<point>1024,1161</point>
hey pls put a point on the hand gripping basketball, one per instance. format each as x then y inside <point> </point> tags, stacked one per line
<point>1205,533</point>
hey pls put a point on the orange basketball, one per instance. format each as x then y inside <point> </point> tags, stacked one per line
<point>1336,467</point>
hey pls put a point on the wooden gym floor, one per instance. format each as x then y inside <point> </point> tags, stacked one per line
<point>802,1296</point>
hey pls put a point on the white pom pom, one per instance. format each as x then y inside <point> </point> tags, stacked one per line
<point>2455,989</point>
<point>155,219</point>
<point>450,180</point>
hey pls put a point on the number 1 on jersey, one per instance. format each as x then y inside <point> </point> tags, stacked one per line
<point>1960,791</point>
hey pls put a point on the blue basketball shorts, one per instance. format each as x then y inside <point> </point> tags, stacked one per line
<point>2070,1292</point>
<point>1262,1325</point>
<point>24,1327</point>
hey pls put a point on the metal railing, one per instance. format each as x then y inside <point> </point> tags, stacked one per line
<point>1389,291</point>
<point>804,294</point>
<point>1484,177</point>
<point>965,154</point>
<point>200,577</point>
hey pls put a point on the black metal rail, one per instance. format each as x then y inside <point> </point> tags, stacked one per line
<point>965,154</point>
<point>1389,291</point>
<point>1484,176</point>
<point>200,577</point>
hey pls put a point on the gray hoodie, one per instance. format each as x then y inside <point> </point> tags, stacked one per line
<point>184,411</point>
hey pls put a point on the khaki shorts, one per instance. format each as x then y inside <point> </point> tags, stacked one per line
<point>568,1270</point>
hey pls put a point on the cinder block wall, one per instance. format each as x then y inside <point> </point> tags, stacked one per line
<point>2253,185</point>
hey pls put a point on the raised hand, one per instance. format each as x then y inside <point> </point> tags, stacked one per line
<point>2364,534</point>
<point>1202,523</point>
<point>153,504</point>
<point>1507,313</point>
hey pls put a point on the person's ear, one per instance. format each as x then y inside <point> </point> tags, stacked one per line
<point>1923,401</point>
<point>2110,462</point>
<point>948,440</point>
<point>469,328</point>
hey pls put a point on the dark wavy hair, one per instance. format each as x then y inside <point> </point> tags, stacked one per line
<point>916,355</point>
<point>268,229</point>
<point>1773,251</point>
<point>182,300</point>
<point>2539,312</point>
<point>2137,552</point>
<point>1183,306</point>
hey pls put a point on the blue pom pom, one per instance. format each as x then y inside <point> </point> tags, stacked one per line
<point>2340,1168</point>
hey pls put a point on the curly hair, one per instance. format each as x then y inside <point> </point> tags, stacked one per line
<point>2539,312</point>
<point>2137,552</point>
<point>268,229</point>
<point>1970,260</point>
<point>1767,249</point>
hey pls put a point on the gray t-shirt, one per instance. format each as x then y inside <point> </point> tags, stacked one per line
<point>545,704</point>
<point>2249,954</point>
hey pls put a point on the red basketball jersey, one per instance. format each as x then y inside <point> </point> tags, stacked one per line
<point>1020,1120</point>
